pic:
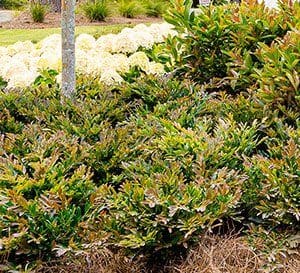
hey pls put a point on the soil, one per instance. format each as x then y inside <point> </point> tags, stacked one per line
<point>52,20</point>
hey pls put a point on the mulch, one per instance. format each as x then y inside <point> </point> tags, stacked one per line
<point>52,20</point>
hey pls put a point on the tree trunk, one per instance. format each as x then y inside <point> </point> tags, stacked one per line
<point>68,48</point>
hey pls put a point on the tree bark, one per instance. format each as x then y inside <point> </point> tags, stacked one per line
<point>68,48</point>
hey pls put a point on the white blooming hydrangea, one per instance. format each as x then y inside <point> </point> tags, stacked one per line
<point>25,58</point>
<point>155,69</point>
<point>5,60</point>
<point>85,42</point>
<point>51,43</point>
<point>161,31</point>
<point>140,60</point>
<point>105,42</point>
<point>144,39</point>
<point>141,28</point>
<point>120,63</point>
<point>80,59</point>
<point>155,31</point>
<point>13,68</point>
<point>93,67</point>
<point>3,51</point>
<point>125,43</point>
<point>48,61</point>
<point>111,77</point>
<point>18,47</point>
<point>108,58</point>
<point>22,80</point>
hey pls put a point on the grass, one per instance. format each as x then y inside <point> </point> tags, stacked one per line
<point>11,36</point>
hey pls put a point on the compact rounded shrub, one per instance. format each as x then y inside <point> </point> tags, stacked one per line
<point>38,12</point>
<point>211,38</point>
<point>96,10</point>
<point>129,8</point>
<point>12,4</point>
<point>155,8</point>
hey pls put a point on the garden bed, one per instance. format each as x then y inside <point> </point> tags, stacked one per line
<point>175,141</point>
<point>52,20</point>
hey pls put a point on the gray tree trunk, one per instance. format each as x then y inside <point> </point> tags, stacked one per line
<point>68,48</point>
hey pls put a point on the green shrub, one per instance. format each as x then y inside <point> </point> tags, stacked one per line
<point>155,8</point>
<point>220,2</point>
<point>3,83</point>
<point>272,192</point>
<point>176,183</point>
<point>96,10</point>
<point>129,8</point>
<point>12,4</point>
<point>44,192</point>
<point>278,81</point>
<point>204,52</point>
<point>162,210</point>
<point>38,12</point>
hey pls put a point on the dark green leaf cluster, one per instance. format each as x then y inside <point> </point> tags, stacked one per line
<point>96,10</point>
<point>12,4</point>
<point>38,12</point>
<point>220,39</point>
<point>155,8</point>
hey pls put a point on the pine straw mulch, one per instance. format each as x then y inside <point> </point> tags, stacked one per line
<point>214,254</point>
<point>52,20</point>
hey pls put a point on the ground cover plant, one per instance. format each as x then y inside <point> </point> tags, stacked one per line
<point>150,165</point>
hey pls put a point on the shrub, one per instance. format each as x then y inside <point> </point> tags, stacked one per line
<point>3,83</point>
<point>129,8</point>
<point>203,53</point>
<point>38,12</point>
<point>42,204</point>
<point>278,82</point>
<point>162,210</point>
<point>96,10</point>
<point>12,4</point>
<point>272,194</point>
<point>155,8</point>
<point>178,183</point>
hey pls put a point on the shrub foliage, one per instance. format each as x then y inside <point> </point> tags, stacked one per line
<point>96,10</point>
<point>153,163</point>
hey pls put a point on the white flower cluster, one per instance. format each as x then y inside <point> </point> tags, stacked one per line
<point>109,57</point>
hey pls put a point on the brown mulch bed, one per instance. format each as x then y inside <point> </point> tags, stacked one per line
<point>213,254</point>
<point>52,20</point>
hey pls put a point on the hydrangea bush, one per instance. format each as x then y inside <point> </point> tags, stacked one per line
<point>107,58</point>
